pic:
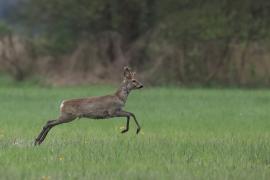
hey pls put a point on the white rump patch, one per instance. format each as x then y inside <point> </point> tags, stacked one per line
<point>62,104</point>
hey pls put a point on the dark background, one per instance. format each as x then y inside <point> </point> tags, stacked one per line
<point>168,42</point>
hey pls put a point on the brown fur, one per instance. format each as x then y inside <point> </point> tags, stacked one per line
<point>101,107</point>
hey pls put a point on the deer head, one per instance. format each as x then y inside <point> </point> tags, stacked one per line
<point>130,81</point>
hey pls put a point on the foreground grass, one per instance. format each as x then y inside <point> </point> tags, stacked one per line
<point>186,134</point>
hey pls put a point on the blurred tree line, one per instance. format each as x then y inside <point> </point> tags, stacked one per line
<point>184,42</point>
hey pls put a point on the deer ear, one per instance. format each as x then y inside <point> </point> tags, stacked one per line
<point>127,72</point>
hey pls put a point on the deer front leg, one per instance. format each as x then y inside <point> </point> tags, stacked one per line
<point>127,125</point>
<point>138,125</point>
<point>128,114</point>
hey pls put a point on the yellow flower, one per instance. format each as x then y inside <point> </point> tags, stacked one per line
<point>60,158</point>
<point>46,177</point>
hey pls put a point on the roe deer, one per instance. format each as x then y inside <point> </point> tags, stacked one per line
<point>101,107</point>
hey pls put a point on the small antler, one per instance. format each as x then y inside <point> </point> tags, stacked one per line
<point>127,72</point>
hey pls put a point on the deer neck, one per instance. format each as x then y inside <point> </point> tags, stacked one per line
<point>122,93</point>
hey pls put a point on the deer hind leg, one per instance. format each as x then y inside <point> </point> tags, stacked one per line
<point>50,124</point>
<point>42,131</point>
<point>48,127</point>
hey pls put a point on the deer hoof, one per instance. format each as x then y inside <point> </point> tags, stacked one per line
<point>124,131</point>
<point>138,130</point>
<point>36,142</point>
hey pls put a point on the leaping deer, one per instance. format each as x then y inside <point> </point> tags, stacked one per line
<point>101,107</point>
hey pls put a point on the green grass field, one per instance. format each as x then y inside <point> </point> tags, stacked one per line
<point>186,134</point>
